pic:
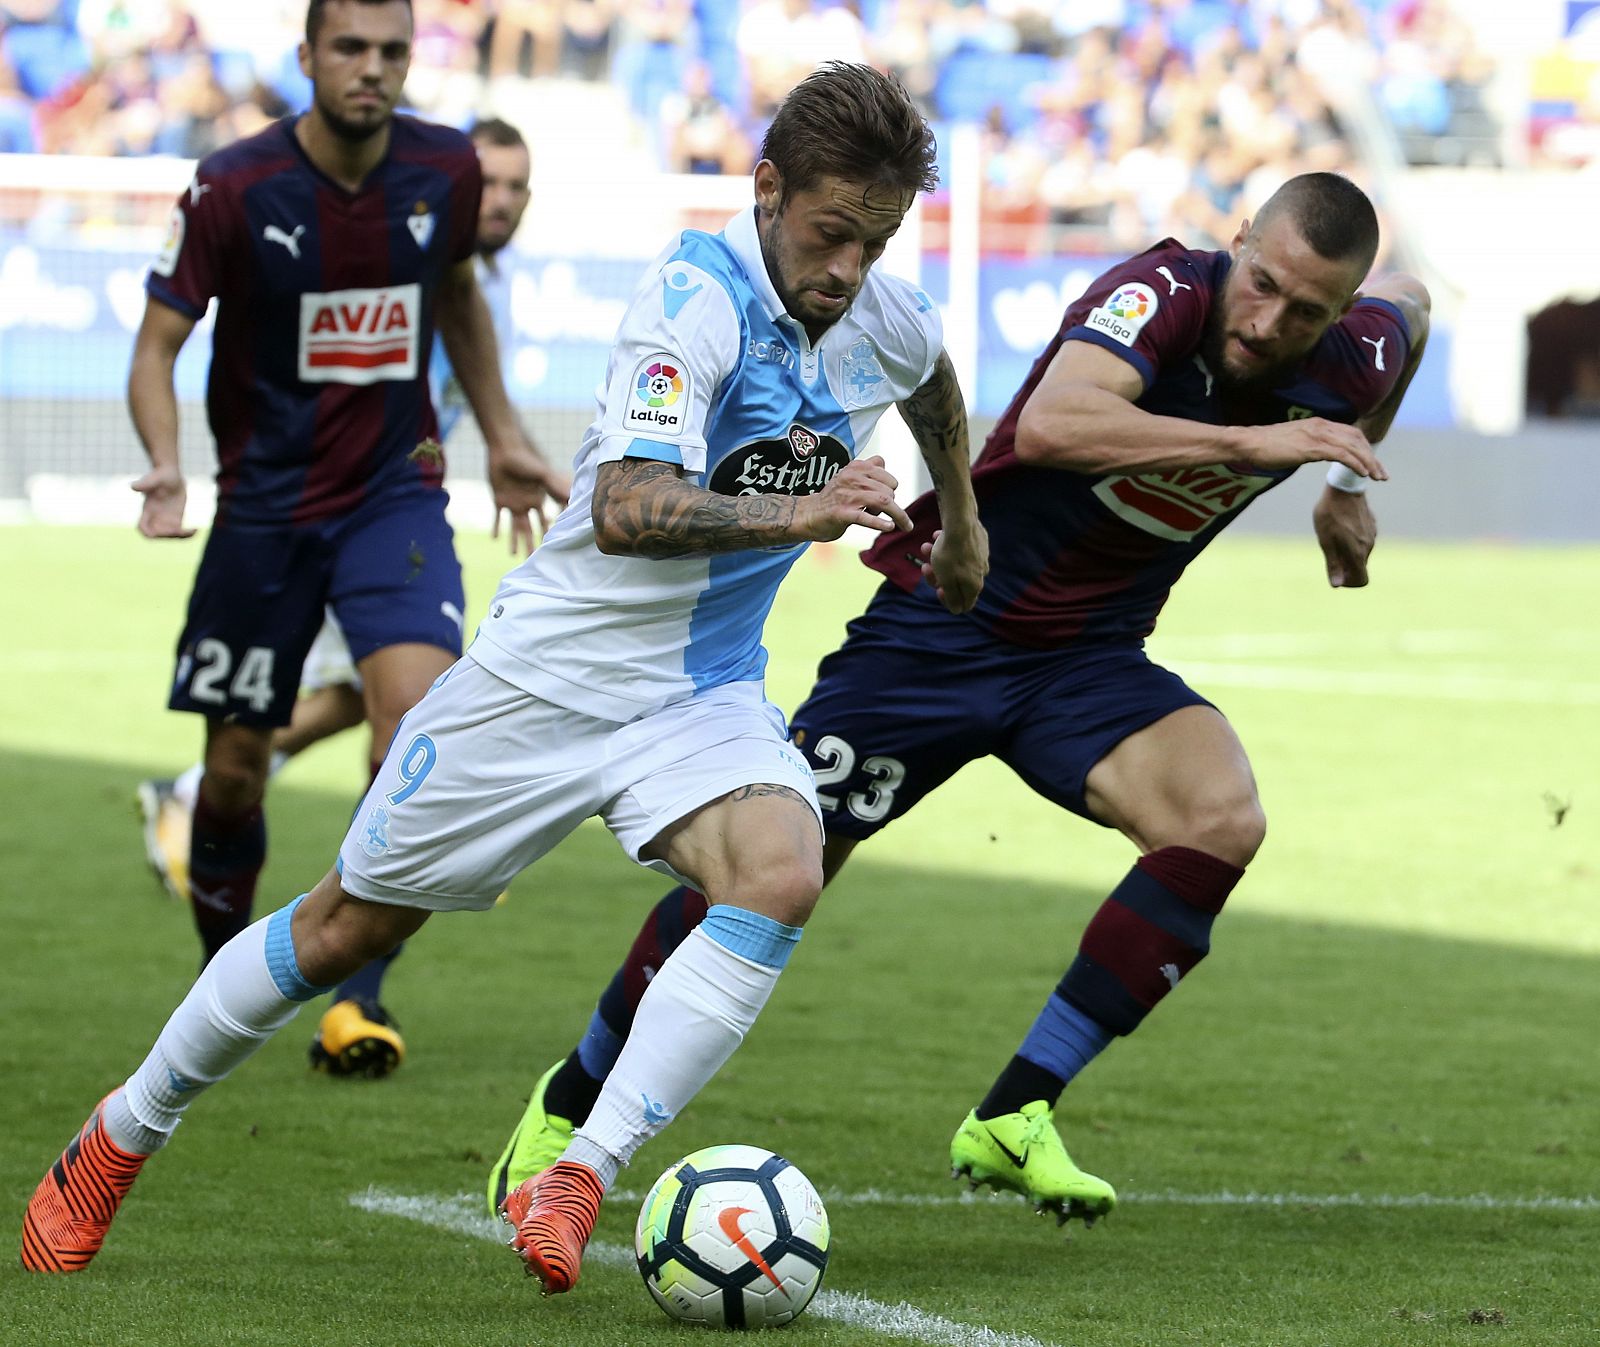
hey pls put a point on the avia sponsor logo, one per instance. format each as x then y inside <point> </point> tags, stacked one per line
<point>360,336</point>
<point>660,395</point>
<point>800,464</point>
<point>1125,313</point>
<point>1179,504</point>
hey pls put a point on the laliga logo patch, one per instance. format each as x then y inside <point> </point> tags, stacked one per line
<point>167,260</point>
<point>660,395</point>
<point>800,463</point>
<point>1124,315</point>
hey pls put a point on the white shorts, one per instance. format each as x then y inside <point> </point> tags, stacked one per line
<point>483,779</point>
<point>328,663</point>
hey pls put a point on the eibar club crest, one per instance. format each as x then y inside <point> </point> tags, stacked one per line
<point>420,222</point>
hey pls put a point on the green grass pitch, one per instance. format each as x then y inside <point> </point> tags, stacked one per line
<point>1372,1118</point>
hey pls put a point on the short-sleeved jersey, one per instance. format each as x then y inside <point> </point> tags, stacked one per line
<point>1082,557</point>
<point>318,394</point>
<point>708,373</point>
<point>449,399</point>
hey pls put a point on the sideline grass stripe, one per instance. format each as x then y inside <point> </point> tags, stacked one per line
<point>463,1215</point>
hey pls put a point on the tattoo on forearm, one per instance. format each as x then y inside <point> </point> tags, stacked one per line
<point>662,516</point>
<point>938,421</point>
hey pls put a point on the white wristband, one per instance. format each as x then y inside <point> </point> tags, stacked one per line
<point>1340,478</point>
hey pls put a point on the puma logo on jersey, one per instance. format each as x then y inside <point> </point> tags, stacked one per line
<point>1170,972</point>
<point>1377,351</point>
<point>272,234</point>
<point>1173,283</point>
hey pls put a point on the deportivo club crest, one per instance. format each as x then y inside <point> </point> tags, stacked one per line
<point>863,374</point>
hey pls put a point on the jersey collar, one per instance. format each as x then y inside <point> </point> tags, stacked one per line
<point>742,237</point>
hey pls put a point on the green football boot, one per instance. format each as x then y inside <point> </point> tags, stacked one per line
<point>1022,1153</point>
<point>537,1144</point>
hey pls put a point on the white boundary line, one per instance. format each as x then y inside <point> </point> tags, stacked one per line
<point>876,1197</point>
<point>463,1215</point>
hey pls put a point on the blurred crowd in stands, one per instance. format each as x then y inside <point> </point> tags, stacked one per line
<point>1130,118</point>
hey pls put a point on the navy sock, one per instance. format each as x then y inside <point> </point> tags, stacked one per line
<point>366,983</point>
<point>1147,935</point>
<point>225,859</point>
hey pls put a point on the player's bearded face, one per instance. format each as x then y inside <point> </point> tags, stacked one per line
<point>505,194</point>
<point>820,243</point>
<point>358,66</point>
<point>1279,299</point>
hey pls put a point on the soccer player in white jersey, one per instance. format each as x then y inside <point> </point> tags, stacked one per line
<point>357,1036</point>
<point>619,672</point>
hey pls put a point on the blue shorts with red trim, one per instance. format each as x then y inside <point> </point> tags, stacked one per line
<point>915,693</point>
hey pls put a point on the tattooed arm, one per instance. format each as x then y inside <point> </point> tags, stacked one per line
<point>644,508</point>
<point>957,559</point>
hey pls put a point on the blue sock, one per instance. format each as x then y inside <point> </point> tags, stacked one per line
<point>600,1047</point>
<point>1063,1040</point>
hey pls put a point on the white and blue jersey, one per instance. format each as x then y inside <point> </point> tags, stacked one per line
<point>708,373</point>
<point>448,397</point>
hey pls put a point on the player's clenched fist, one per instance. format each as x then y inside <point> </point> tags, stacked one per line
<point>955,564</point>
<point>1313,440</point>
<point>861,492</point>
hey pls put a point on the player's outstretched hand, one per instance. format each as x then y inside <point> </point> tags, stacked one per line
<point>164,495</point>
<point>1312,439</point>
<point>955,566</point>
<point>524,483</point>
<point>1347,532</point>
<point>861,492</point>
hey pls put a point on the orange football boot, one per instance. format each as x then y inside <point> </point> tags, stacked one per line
<point>71,1210</point>
<point>554,1214</point>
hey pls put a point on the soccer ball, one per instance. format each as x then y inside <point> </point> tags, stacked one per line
<point>732,1237</point>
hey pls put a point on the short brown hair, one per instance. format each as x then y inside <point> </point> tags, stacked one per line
<point>1330,213</point>
<point>496,131</point>
<point>852,122</point>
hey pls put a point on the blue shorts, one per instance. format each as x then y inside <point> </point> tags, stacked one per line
<point>915,693</point>
<point>388,570</point>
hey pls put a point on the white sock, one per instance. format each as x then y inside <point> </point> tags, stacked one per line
<point>692,1016</point>
<point>249,990</point>
<point>186,789</point>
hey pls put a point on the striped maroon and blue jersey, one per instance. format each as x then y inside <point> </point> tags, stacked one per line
<point>317,395</point>
<point>1078,557</point>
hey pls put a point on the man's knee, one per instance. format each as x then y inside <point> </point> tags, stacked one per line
<point>784,887</point>
<point>1231,828</point>
<point>236,763</point>
<point>335,933</point>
